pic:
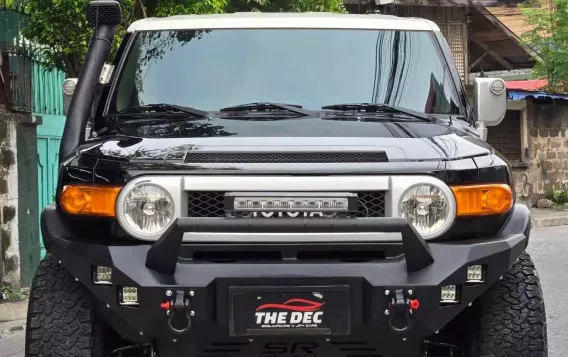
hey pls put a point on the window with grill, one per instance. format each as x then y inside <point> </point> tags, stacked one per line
<point>506,137</point>
<point>456,35</point>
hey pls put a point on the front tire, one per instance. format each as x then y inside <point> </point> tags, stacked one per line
<point>61,320</point>
<point>512,318</point>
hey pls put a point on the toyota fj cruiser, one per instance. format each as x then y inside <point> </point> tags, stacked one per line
<point>282,185</point>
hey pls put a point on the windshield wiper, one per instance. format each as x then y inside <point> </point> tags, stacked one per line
<point>164,108</point>
<point>378,107</point>
<point>266,106</point>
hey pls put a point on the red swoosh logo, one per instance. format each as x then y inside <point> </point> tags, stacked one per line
<point>310,305</point>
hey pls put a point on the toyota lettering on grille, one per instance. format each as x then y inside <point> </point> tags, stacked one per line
<point>291,214</point>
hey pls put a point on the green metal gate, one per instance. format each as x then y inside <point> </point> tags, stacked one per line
<point>47,103</point>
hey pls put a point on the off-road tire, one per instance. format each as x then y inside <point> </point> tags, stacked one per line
<point>512,318</point>
<point>61,321</point>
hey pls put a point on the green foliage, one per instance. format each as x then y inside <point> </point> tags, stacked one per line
<point>558,196</point>
<point>60,26</point>
<point>9,294</point>
<point>549,38</point>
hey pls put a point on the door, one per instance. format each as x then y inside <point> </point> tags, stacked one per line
<point>48,141</point>
<point>48,104</point>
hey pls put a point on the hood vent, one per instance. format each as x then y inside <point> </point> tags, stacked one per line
<point>285,157</point>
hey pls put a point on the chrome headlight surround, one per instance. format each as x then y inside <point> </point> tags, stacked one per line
<point>171,186</point>
<point>401,185</point>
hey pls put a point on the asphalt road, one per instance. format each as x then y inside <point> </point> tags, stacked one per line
<point>549,249</point>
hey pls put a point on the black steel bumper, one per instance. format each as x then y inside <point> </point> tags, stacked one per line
<point>154,269</point>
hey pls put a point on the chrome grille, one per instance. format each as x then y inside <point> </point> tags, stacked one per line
<point>212,204</point>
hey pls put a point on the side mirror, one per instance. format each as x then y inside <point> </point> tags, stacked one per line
<point>68,89</point>
<point>489,103</point>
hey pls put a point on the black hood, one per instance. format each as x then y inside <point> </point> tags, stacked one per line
<point>401,142</point>
<point>451,152</point>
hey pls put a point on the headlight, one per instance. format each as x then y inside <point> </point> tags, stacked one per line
<point>147,209</point>
<point>428,208</point>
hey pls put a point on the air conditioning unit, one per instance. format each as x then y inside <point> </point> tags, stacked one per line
<point>384,2</point>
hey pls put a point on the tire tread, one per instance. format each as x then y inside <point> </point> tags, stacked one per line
<point>61,321</point>
<point>512,315</point>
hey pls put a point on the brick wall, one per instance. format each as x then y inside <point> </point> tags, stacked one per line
<point>546,151</point>
<point>549,145</point>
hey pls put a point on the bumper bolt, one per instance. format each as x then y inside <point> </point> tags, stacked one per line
<point>191,293</point>
<point>387,312</point>
<point>387,292</point>
<point>168,293</point>
<point>410,292</point>
<point>108,306</point>
<point>192,313</point>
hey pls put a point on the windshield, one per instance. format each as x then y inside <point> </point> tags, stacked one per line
<point>213,69</point>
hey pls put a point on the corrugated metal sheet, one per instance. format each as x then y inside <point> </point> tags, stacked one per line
<point>521,90</point>
<point>535,85</point>
<point>523,95</point>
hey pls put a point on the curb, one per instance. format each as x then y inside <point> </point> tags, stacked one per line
<point>13,310</point>
<point>542,222</point>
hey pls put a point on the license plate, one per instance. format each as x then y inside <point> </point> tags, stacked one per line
<point>317,310</point>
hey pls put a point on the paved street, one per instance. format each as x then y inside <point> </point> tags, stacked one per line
<point>549,248</point>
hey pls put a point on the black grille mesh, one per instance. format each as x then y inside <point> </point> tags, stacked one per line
<point>104,12</point>
<point>211,204</point>
<point>285,158</point>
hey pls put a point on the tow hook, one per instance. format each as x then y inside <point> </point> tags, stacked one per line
<point>179,313</point>
<point>400,308</point>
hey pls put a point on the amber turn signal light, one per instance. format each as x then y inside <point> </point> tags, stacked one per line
<point>483,200</point>
<point>89,200</point>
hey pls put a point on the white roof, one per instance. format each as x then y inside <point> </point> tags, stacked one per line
<point>283,20</point>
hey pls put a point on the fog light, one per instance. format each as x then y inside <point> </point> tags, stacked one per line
<point>102,275</point>
<point>129,296</point>
<point>449,294</point>
<point>475,274</point>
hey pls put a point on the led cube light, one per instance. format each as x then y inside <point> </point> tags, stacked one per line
<point>475,274</point>
<point>129,296</point>
<point>449,294</point>
<point>102,275</point>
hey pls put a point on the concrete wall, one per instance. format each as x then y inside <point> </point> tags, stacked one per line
<point>9,244</point>
<point>19,231</point>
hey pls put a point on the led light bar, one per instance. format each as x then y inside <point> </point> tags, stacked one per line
<point>290,202</point>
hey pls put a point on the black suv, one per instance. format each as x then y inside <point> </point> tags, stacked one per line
<point>293,185</point>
